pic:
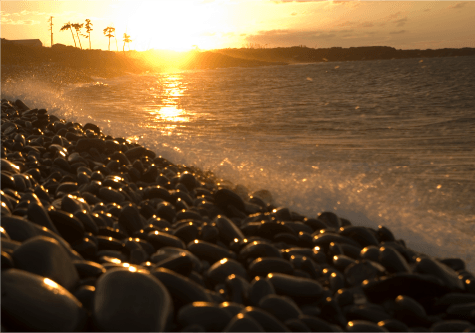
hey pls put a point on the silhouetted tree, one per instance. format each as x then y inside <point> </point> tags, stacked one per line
<point>78,28</point>
<point>88,30</point>
<point>126,40</point>
<point>108,33</point>
<point>67,26</point>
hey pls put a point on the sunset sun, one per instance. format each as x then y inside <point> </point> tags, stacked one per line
<point>177,26</point>
<point>177,156</point>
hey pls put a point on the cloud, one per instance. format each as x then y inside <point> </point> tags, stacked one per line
<point>24,13</point>
<point>393,16</point>
<point>284,37</point>
<point>335,2</point>
<point>458,5</point>
<point>284,1</point>
<point>345,24</point>
<point>319,38</point>
<point>401,22</point>
<point>397,32</point>
<point>228,34</point>
<point>6,20</point>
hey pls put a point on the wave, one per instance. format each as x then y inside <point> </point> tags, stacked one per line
<point>369,195</point>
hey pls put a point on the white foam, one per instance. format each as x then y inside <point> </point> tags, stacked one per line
<point>362,197</point>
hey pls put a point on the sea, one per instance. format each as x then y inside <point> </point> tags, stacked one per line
<point>384,142</point>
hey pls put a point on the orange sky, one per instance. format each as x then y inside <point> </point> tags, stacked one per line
<point>208,24</point>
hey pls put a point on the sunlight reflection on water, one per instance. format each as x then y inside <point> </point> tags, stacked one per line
<point>167,113</point>
<point>379,142</point>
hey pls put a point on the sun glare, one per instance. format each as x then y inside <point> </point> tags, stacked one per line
<point>171,25</point>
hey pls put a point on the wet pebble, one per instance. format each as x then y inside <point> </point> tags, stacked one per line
<point>146,244</point>
<point>243,323</point>
<point>31,302</point>
<point>263,266</point>
<point>208,315</point>
<point>281,307</point>
<point>46,257</point>
<point>131,300</point>
<point>266,320</point>
<point>223,268</point>
<point>297,288</point>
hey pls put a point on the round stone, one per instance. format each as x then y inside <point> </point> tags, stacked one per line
<point>131,300</point>
<point>34,303</point>
<point>46,257</point>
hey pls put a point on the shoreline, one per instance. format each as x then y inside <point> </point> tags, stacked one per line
<point>115,211</point>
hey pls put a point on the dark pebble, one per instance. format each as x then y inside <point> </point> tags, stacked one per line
<point>243,323</point>
<point>364,326</point>
<point>296,325</point>
<point>433,267</point>
<point>266,320</point>
<point>413,285</point>
<point>182,289</point>
<point>46,257</point>
<point>393,261</point>
<point>223,268</point>
<point>208,251</point>
<point>259,249</point>
<point>298,288</point>
<point>160,239</point>
<point>119,302</point>
<point>109,205</point>
<point>208,315</point>
<point>68,226</point>
<point>281,307</point>
<point>179,263</point>
<point>228,231</point>
<point>48,306</point>
<point>263,266</point>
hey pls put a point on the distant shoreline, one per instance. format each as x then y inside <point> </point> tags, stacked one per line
<point>299,54</point>
<point>66,64</point>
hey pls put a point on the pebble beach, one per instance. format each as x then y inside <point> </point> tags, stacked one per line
<point>102,234</point>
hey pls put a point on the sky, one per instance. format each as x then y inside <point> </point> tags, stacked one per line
<point>211,24</point>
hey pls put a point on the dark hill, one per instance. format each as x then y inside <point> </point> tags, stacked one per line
<point>299,54</point>
<point>62,63</point>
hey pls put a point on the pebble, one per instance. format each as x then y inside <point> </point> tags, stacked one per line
<point>243,323</point>
<point>206,314</point>
<point>145,244</point>
<point>131,300</point>
<point>393,261</point>
<point>31,302</point>
<point>223,268</point>
<point>228,231</point>
<point>266,320</point>
<point>295,287</point>
<point>46,257</point>
<point>265,265</point>
<point>281,307</point>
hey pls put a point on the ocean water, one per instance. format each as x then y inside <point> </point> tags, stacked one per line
<point>388,142</point>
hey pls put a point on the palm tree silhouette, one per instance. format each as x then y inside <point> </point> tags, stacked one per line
<point>126,40</point>
<point>88,30</point>
<point>108,33</point>
<point>67,26</point>
<point>78,28</point>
